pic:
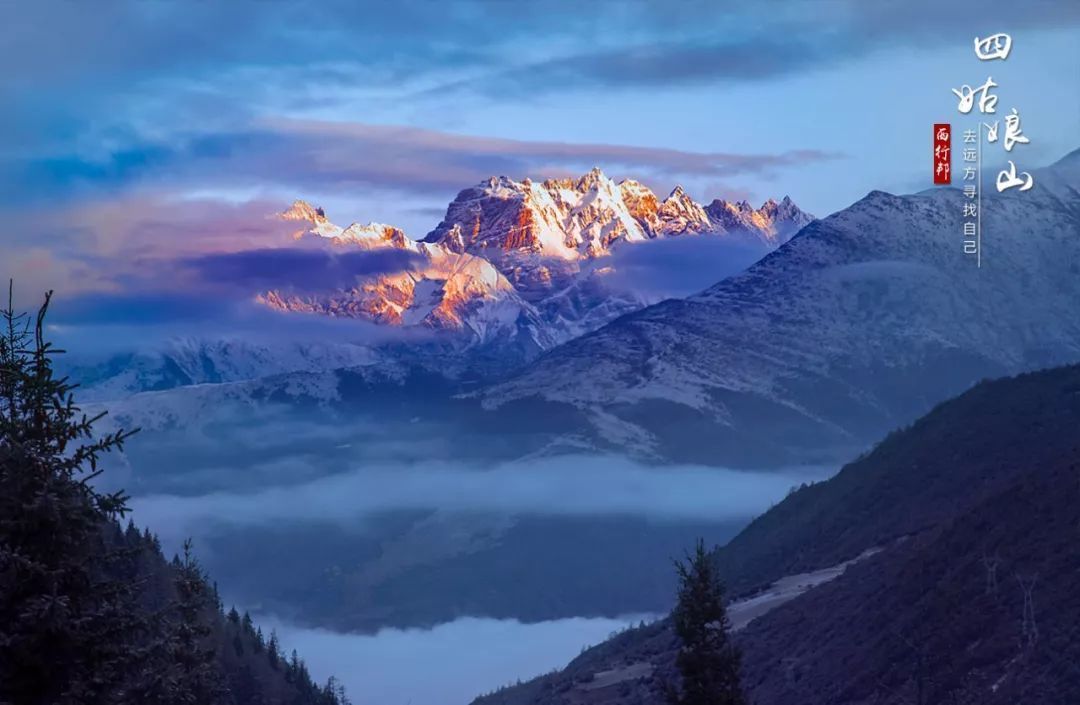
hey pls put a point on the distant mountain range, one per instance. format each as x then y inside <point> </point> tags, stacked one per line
<point>964,527</point>
<point>514,269</point>
<point>518,261</point>
<point>858,324</point>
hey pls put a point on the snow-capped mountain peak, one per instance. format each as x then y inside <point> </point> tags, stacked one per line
<point>304,211</point>
<point>583,218</point>
<point>853,327</point>
<point>681,214</point>
<point>443,288</point>
<point>513,258</point>
<point>594,178</point>
<point>376,235</point>
<point>366,235</point>
<point>312,218</point>
<point>773,223</point>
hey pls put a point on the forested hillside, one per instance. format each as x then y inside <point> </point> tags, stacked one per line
<point>970,594</point>
<point>91,612</point>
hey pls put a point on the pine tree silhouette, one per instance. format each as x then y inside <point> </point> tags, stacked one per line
<point>91,613</point>
<point>65,623</point>
<point>707,661</point>
<point>200,678</point>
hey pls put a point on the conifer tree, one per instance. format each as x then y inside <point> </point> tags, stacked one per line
<point>90,612</point>
<point>707,661</point>
<point>245,687</point>
<point>292,668</point>
<point>65,624</point>
<point>200,678</point>
<point>334,692</point>
<point>273,650</point>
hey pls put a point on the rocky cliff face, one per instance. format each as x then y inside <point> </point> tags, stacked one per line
<point>538,234</point>
<point>513,260</point>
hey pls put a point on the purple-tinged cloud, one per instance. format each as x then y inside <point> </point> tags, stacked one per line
<point>131,244</point>
<point>677,267</point>
<point>756,44</point>
<point>343,157</point>
<point>297,269</point>
<point>96,326</point>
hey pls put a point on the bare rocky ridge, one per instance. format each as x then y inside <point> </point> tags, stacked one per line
<point>514,259</point>
<point>539,234</point>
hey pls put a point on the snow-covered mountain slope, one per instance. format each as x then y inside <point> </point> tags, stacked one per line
<point>442,289</point>
<point>537,234</point>
<point>532,269</point>
<point>514,263</point>
<point>180,362</point>
<point>861,322</point>
<point>857,325</point>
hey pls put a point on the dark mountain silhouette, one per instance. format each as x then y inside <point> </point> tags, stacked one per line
<point>970,598</point>
<point>91,613</point>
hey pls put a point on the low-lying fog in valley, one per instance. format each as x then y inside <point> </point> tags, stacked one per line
<point>571,486</point>
<point>375,570</point>
<point>449,664</point>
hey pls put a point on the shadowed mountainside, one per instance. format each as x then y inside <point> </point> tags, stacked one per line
<point>974,506</point>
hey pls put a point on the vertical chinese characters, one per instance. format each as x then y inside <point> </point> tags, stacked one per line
<point>942,158</point>
<point>995,47</point>
<point>971,192</point>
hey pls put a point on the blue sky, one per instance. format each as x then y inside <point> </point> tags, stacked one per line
<point>141,133</point>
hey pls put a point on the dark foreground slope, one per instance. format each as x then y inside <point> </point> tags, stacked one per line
<point>972,599</point>
<point>249,666</point>
<point>91,614</point>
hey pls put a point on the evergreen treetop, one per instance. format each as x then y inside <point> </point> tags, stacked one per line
<point>707,661</point>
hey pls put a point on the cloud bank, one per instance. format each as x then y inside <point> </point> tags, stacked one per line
<point>336,156</point>
<point>448,665</point>
<point>574,486</point>
<point>297,269</point>
<point>677,267</point>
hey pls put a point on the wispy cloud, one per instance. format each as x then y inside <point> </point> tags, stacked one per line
<point>460,660</point>
<point>297,269</point>
<point>129,243</point>
<point>677,267</point>
<point>339,156</point>
<point>567,486</point>
<point>96,326</point>
<point>125,43</point>
<point>758,43</point>
<point>118,107</point>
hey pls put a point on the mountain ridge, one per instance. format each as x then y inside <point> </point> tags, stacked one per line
<point>805,357</point>
<point>537,238</point>
<point>571,220</point>
<point>833,321</point>
<point>988,477</point>
<point>480,308</point>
